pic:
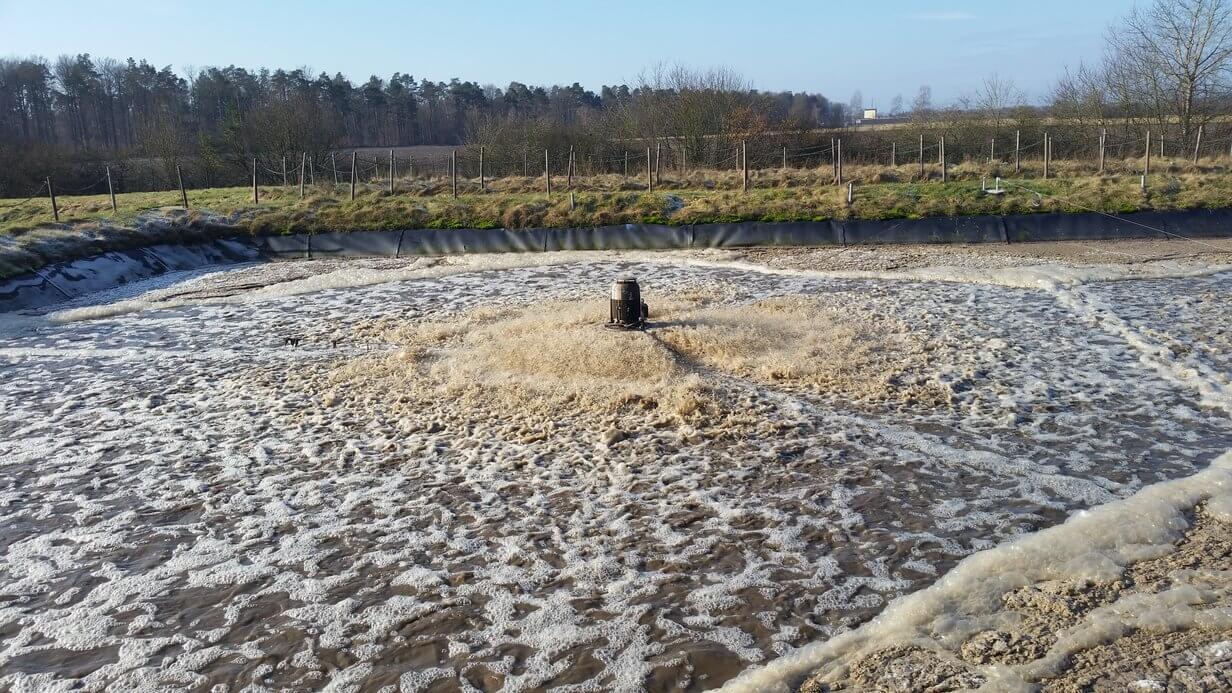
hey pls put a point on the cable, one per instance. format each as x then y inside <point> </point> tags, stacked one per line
<point>32,196</point>
<point>68,191</point>
<point>1118,218</point>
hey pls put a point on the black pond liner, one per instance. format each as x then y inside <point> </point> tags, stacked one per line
<point>56,283</point>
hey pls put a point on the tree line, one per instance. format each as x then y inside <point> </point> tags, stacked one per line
<point>59,116</point>
<point>1167,68</point>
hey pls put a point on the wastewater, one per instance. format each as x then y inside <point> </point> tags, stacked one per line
<point>457,480</point>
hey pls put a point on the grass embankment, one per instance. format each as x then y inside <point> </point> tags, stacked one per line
<point>29,238</point>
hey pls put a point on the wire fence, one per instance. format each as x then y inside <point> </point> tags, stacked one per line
<point>667,163</point>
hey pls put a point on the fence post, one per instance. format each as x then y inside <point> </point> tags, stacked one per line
<point>945,176</point>
<point>453,171</point>
<point>110,189</point>
<point>547,173</point>
<point>784,157</point>
<point>992,151</point>
<point>1046,146</point>
<point>893,155</point>
<point>312,170</point>
<point>921,156</point>
<point>626,163</point>
<point>649,171</point>
<point>1017,160</point>
<point>838,158</point>
<point>684,162</point>
<point>483,184</point>
<point>658,158</point>
<point>850,190</point>
<point>180,179</point>
<point>391,171</point>
<point>1197,145</point>
<point>1161,146</point>
<point>256,196</point>
<point>55,210</point>
<point>1146,168</point>
<point>334,164</point>
<point>1103,139</point>
<point>354,173</point>
<point>744,158</point>
<point>569,169</point>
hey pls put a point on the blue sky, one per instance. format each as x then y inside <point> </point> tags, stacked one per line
<point>882,47</point>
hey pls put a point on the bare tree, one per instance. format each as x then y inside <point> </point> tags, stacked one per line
<point>896,105</point>
<point>996,100</point>
<point>923,102</point>
<point>857,104</point>
<point>1173,58</point>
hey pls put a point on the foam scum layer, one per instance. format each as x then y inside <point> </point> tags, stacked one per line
<point>448,483</point>
<point>697,365</point>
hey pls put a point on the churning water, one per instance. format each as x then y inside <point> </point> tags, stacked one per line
<point>456,481</point>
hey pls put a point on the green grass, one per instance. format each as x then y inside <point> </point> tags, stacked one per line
<point>29,238</point>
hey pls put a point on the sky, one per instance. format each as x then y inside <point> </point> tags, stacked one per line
<point>880,47</point>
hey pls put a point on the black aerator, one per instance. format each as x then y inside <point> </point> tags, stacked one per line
<point>627,310</point>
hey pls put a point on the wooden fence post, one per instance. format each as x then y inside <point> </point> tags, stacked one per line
<point>110,189</point>
<point>180,179</point>
<point>569,170</point>
<point>256,196</point>
<point>784,157</point>
<point>303,164</point>
<point>547,174</point>
<point>483,183</point>
<point>992,151</point>
<point>1045,155</point>
<point>1146,168</point>
<point>626,163</point>
<point>658,162</point>
<point>354,173</point>
<point>1017,160</point>
<point>284,170</point>
<point>945,176</point>
<point>744,159</point>
<point>838,158</point>
<point>391,171</point>
<point>1197,145</point>
<point>334,164</point>
<point>893,155</point>
<point>55,210</point>
<point>921,156</point>
<point>649,171</point>
<point>1103,139</point>
<point>453,171</point>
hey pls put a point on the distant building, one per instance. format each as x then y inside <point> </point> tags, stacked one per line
<point>870,114</point>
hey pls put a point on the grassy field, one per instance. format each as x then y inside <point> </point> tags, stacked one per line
<point>29,238</point>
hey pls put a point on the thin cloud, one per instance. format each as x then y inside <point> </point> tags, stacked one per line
<point>942,16</point>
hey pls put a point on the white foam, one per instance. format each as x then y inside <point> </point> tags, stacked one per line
<point>1087,545</point>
